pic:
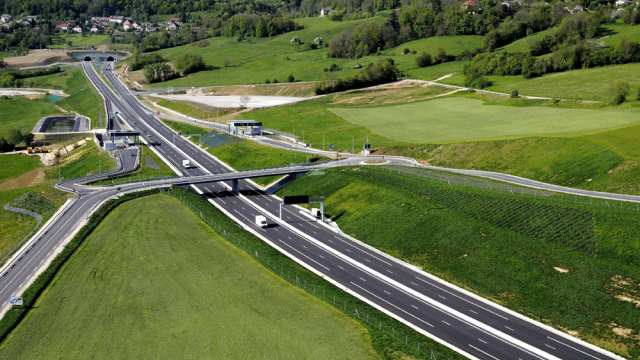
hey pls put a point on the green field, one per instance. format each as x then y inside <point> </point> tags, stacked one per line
<point>4,54</point>
<point>12,166</point>
<point>15,116</point>
<point>502,246</point>
<point>463,119</point>
<point>180,290</point>
<point>79,40</point>
<point>255,61</point>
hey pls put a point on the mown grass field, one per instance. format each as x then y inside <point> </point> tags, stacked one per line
<point>180,290</point>
<point>499,245</point>
<point>15,165</point>
<point>462,119</point>
<point>15,116</point>
<point>253,62</point>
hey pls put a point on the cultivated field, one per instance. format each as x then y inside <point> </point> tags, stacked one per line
<point>173,285</point>
<point>463,119</point>
<point>563,263</point>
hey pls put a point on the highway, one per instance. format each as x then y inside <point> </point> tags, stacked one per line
<point>472,326</point>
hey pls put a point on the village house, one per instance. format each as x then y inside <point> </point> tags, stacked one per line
<point>325,11</point>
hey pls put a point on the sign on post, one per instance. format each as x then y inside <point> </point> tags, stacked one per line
<point>296,199</point>
<point>16,301</point>
<point>330,146</point>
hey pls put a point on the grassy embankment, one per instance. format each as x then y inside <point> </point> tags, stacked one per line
<point>83,161</point>
<point>183,291</point>
<point>150,166</point>
<point>253,62</point>
<point>569,265</point>
<point>15,116</point>
<point>244,154</point>
<point>18,175</point>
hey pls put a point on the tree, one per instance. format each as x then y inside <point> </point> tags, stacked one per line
<point>318,41</point>
<point>3,64</point>
<point>27,138</point>
<point>14,137</point>
<point>244,101</point>
<point>514,94</point>
<point>189,63</point>
<point>393,20</point>
<point>620,92</point>
<point>267,81</point>
<point>406,51</point>
<point>442,56</point>
<point>424,60</point>
<point>290,78</point>
<point>295,40</point>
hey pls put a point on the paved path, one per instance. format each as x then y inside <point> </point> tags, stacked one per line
<point>231,101</point>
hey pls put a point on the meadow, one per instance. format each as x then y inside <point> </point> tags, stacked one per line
<point>463,119</point>
<point>81,162</point>
<point>256,59</point>
<point>181,290</point>
<point>498,245</point>
<point>79,40</point>
<point>12,166</point>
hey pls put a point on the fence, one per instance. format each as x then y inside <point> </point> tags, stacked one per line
<point>408,340</point>
<point>505,189</point>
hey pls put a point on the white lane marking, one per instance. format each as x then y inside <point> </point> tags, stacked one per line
<point>549,346</point>
<point>442,297</point>
<point>571,347</point>
<point>248,219</point>
<point>289,237</point>
<point>474,312</point>
<point>461,298</point>
<point>446,322</point>
<point>347,250</point>
<point>414,307</point>
<point>304,246</point>
<point>484,352</point>
<point>509,328</point>
<point>404,311</point>
<point>321,256</point>
<point>389,271</point>
<point>296,250</point>
<point>4,303</point>
<point>482,340</point>
<point>353,246</point>
<point>367,260</point>
<point>414,283</point>
<point>340,267</point>
<point>275,229</point>
<point>386,292</point>
<point>363,279</point>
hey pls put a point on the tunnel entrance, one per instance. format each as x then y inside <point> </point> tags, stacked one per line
<point>110,58</point>
<point>87,58</point>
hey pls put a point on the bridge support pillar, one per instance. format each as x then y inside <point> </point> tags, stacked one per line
<point>234,186</point>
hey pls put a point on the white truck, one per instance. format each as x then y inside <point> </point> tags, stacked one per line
<point>186,164</point>
<point>315,212</point>
<point>261,221</point>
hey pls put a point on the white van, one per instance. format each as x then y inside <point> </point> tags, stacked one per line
<point>261,221</point>
<point>186,164</point>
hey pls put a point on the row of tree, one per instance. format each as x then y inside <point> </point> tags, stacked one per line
<point>13,138</point>
<point>383,72</point>
<point>581,55</point>
<point>9,79</point>
<point>159,72</point>
<point>256,25</point>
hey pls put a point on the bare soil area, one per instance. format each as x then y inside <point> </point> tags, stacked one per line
<point>399,92</point>
<point>32,178</point>
<point>295,90</point>
<point>38,58</point>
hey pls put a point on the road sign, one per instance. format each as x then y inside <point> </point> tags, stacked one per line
<point>331,146</point>
<point>367,146</point>
<point>296,199</point>
<point>15,300</point>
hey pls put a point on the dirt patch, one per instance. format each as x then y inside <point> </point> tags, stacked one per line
<point>624,332</point>
<point>624,289</point>
<point>625,166</point>
<point>401,92</point>
<point>32,178</point>
<point>38,58</point>
<point>376,161</point>
<point>296,90</point>
<point>559,269</point>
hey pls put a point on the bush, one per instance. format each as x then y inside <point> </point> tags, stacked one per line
<point>34,202</point>
<point>318,41</point>
<point>140,61</point>
<point>514,94</point>
<point>620,92</point>
<point>334,67</point>
<point>201,43</point>
<point>189,63</point>
<point>383,72</point>
<point>275,81</point>
<point>159,72</point>
<point>290,78</point>
<point>267,81</point>
<point>413,52</point>
<point>424,60</point>
<point>405,51</point>
<point>295,40</point>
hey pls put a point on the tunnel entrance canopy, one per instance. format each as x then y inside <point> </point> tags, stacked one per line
<point>110,58</point>
<point>87,58</point>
